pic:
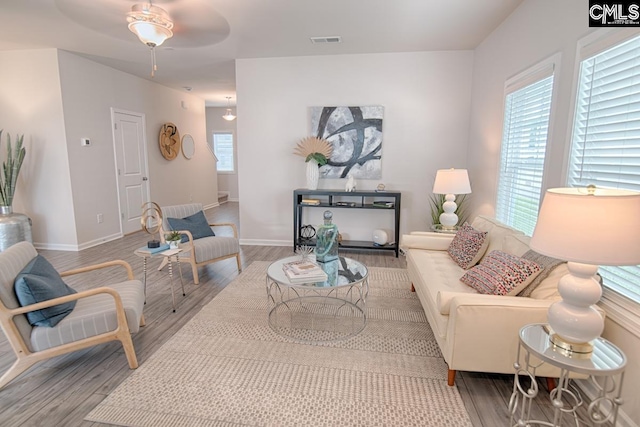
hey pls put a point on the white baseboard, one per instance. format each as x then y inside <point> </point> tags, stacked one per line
<point>56,247</point>
<point>591,393</point>
<point>77,248</point>
<point>263,242</point>
<point>211,206</point>
<point>233,200</point>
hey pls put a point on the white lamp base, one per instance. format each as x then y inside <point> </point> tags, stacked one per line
<point>448,218</point>
<point>575,320</point>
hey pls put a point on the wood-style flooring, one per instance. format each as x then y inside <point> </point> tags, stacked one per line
<point>61,391</point>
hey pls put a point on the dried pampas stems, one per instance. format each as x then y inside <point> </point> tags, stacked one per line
<point>313,146</point>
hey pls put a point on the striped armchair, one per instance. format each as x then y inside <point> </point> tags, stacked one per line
<point>100,315</point>
<point>199,252</point>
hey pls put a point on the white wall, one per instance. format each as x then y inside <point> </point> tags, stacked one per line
<point>30,104</point>
<point>89,91</point>
<point>426,97</point>
<point>535,31</point>
<point>227,182</point>
<point>55,98</point>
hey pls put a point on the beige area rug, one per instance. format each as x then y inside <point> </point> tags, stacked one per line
<point>226,367</point>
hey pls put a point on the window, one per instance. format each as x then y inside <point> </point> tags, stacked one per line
<point>605,143</point>
<point>524,142</point>
<point>223,149</point>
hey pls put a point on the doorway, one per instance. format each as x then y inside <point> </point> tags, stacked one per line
<point>129,139</point>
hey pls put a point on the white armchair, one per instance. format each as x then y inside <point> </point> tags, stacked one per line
<point>205,250</point>
<point>100,315</point>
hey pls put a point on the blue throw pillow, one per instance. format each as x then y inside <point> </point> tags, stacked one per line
<point>197,224</point>
<point>39,281</point>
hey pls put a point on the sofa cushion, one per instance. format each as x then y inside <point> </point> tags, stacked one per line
<point>546,262</point>
<point>37,282</point>
<point>497,231</point>
<point>197,224</point>
<point>468,246</point>
<point>500,273</point>
<point>516,244</point>
<point>434,272</point>
<point>548,288</point>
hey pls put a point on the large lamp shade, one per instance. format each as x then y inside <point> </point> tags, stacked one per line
<point>587,227</point>
<point>597,226</point>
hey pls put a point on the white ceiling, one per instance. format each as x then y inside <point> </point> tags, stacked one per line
<point>210,34</point>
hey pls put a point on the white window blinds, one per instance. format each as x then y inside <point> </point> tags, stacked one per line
<point>524,142</point>
<point>605,147</point>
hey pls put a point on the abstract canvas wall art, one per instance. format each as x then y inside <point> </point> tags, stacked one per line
<point>356,136</point>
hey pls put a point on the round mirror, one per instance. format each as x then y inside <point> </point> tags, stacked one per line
<point>188,146</point>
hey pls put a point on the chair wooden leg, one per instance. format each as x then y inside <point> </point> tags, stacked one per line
<point>129,351</point>
<point>142,322</point>
<point>18,367</point>
<point>239,263</point>
<point>451,377</point>
<point>194,270</point>
<point>412,288</point>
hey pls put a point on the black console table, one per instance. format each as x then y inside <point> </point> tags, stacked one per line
<point>336,199</point>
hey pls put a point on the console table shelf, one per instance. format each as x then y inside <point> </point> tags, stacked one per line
<point>348,200</point>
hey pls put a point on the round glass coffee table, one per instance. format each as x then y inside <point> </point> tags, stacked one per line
<point>323,311</point>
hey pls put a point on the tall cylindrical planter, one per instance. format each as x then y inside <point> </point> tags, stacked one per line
<point>14,227</point>
<point>313,174</point>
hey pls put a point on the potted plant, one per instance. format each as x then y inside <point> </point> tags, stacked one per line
<point>316,153</point>
<point>14,227</point>
<point>173,239</point>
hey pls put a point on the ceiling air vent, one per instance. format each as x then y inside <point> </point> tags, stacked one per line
<point>331,39</point>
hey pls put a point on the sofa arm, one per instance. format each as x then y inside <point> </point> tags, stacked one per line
<point>483,330</point>
<point>426,240</point>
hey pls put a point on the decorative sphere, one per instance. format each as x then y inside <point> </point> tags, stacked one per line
<point>380,237</point>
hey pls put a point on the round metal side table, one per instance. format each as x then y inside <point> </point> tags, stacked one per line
<point>604,369</point>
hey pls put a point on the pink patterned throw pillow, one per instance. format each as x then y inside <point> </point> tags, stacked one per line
<point>468,246</point>
<point>501,274</point>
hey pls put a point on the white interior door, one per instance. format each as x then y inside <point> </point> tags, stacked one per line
<point>131,166</point>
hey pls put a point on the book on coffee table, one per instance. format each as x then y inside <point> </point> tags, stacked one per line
<point>303,271</point>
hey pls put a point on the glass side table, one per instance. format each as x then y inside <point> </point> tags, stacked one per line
<point>439,228</point>
<point>604,369</point>
<point>319,312</point>
<point>170,255</point>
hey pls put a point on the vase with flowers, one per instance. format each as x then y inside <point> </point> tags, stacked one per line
<point>316,152</point>
<point>14,227</point>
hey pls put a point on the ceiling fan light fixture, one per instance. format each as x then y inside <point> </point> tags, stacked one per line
<point>228,116</point>
<point>151,24</point>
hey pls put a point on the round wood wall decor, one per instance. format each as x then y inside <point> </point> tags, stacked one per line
<point>169,140</point>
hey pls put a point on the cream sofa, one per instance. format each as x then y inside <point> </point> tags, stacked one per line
<point>475,332</point>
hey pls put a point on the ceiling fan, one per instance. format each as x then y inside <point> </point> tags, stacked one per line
<point>184,23</point>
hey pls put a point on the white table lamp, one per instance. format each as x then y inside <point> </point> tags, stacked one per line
<point>587,227</point>
<point>451,182</point>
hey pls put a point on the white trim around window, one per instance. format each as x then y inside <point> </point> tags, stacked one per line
<point>620,308</point>
<point>529,102</point>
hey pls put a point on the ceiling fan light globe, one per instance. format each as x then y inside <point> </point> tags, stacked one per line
<point>150,33</point>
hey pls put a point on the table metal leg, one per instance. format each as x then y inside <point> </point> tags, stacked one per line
<point>173,296</point>
<point>144,272</point>
<point>180,270</point>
